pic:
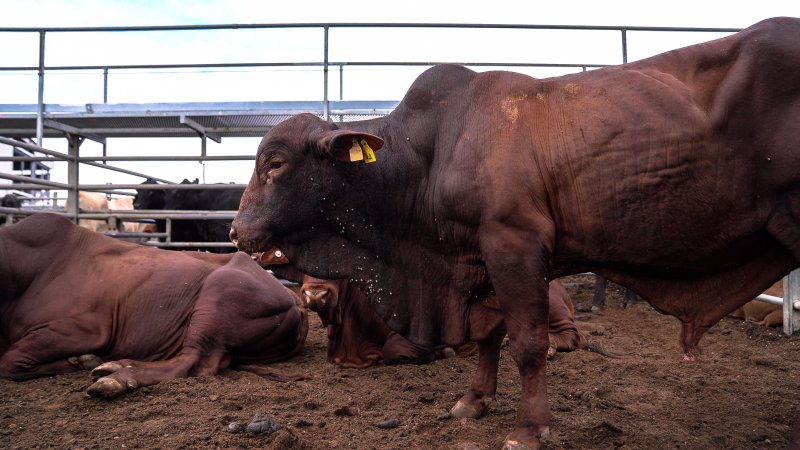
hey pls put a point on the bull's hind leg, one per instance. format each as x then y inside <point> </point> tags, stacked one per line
<point>62,346</point>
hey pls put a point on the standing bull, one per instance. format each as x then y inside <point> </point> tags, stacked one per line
<point>677,176</point>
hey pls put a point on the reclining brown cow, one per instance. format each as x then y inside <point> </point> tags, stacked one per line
<point>358,337</point>
<point>71,298</point>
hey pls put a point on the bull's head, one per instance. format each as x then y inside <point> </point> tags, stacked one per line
<point>297,183</point>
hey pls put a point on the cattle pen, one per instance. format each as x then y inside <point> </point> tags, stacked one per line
<point>55,146</point>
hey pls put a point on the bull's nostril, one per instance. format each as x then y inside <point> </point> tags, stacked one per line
<point>315,298</point>
<point>233,236</point>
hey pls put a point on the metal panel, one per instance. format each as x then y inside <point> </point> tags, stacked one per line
<point>791,303</point>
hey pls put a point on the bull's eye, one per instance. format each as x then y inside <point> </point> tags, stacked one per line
<point>273,168</point>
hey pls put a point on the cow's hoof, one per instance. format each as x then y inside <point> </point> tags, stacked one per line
<point>106,369</point>
<point>107,388</point>
<point>464,410</point>
<point>89,362</point>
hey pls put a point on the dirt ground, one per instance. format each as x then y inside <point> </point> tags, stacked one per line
<point>742,394</point>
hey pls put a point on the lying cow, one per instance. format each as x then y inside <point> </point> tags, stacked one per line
<point>677,176</point>
<point>71,298</point>
<point>358,337</point>
<point>763,313</point>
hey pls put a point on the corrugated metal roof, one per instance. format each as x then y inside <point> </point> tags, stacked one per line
<point>225,119</point>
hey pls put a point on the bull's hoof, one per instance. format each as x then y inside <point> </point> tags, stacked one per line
<point>106,369</point>
<point>464,410</point>
<point>524,441</point>
<point>513,444</point>
<point>106,388</point>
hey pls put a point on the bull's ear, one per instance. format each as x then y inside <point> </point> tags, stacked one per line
<point>273,256</point>
<point>350,146</point>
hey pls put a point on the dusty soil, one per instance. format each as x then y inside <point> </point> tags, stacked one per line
<point>743,393</point>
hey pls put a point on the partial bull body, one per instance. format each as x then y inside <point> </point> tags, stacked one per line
<point>357,336</point>
<point>71,299</point>
<point>677,176</point>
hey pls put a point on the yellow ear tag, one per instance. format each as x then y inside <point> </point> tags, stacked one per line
<point>355,152</point>
<point>369,155</point>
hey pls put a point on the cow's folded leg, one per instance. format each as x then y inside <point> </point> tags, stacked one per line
<point>481,392</point>
<point>115,378</point>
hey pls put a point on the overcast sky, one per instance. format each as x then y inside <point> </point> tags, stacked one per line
<point>685,13</point>
<point>306,45</point>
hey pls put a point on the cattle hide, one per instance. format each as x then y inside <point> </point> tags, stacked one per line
<point>676,176</point>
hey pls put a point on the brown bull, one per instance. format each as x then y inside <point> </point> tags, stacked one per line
<point>71,298</point>
<point>677,176</point>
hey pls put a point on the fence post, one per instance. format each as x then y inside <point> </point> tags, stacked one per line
<point>72,174</point>
<point>40,103</point>
<point>326,103</point>
<point>791,294</point>
<point>624,46</point>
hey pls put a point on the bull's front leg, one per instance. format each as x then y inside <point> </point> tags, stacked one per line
<point>518,266</point>
<point>484,383</point>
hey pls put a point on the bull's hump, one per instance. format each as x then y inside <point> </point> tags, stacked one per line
<point>436,83</point>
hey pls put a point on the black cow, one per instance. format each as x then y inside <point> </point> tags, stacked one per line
<point>192,230</point>
<point>10,201</point>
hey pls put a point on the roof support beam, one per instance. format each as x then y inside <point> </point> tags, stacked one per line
<point>67,129</point>
<point>201,130</point>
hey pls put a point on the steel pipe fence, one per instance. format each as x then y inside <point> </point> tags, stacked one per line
<point>325,62</point>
